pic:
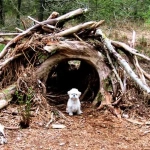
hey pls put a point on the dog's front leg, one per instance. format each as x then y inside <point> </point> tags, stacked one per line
<point>79,111</point>
<point>69,110</point>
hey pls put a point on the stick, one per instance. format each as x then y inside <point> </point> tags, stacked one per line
<point>139,70</point>
<point>129,49</point>
<point>114,70</point>
<point>47,25</point>
<point>5,34</point>
<point>51,120</point>
<point>123,62</point>
<point>75,28</point>
<point>19,29</point>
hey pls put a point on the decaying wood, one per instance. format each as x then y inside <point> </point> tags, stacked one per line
<point>75,29</point>
<point>107,102</point>
<point>73,49</point>
<point>8,34</point>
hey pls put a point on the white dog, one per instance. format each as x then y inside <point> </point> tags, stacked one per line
<point>73,104</point>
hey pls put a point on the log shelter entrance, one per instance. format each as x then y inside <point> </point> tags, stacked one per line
<point>72,73</point>
<point>46,60</point>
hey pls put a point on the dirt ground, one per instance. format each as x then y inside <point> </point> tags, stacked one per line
<point>93,130</point>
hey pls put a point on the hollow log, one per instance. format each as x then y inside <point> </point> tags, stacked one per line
<point>73,50</point>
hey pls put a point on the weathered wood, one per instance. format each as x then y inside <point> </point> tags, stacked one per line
<point>30,30</point>
<point>73,49</point>
<point>75,29</point>
<point>6,95</point>
<point>129,49</point>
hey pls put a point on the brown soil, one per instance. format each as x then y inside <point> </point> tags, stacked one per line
<point>93,130</point>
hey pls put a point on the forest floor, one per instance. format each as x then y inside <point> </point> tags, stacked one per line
<point>93,130</point>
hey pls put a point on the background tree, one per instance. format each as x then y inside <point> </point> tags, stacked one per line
<point>41,9</point>
<point>112,12</point>
<point>18,12</point>
<point>2,22</point>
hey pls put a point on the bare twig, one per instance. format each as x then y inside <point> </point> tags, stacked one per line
<point>51,120</point>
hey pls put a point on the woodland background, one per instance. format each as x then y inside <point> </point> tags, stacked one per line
<point>100,129</point>
<point>112,11</point>
<point>117,14</point>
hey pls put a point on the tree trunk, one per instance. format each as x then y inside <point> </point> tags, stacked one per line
<point>41,10</point>
<point>2,21</point>
<point>18,13</point>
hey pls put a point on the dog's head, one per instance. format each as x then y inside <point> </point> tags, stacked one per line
<point>74,94</point>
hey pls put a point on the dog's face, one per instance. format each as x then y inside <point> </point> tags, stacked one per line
<point>74,94</point>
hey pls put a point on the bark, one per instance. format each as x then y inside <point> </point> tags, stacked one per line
<point>73,49</point>
<point>75,29</point>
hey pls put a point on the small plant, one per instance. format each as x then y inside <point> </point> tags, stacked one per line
<point>1,47</point>
<point>24,101</point>
<point>19,96</point>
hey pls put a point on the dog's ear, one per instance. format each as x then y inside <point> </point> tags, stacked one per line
<point>68,92</point>
<point>79,93</point>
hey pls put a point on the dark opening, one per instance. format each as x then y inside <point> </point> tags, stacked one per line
<point>69,74</point>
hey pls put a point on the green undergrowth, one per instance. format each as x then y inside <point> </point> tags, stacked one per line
<point>1,47</point>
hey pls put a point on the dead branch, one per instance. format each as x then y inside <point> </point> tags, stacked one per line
<point>115,72</point>
<point>2,64</point>
<point>53,15</point>
<point>30,30</point>
<point>8,34</point>
<point>122,62</point>
<point>46,25</point>
<point>129,49</point>
<point>139,70</point>
<point>75,29</point>
<point>20,30</point>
